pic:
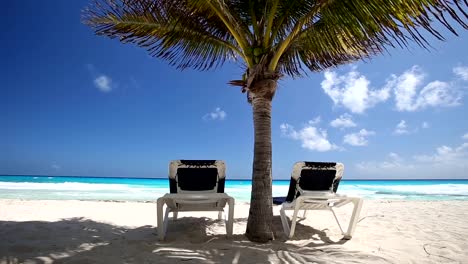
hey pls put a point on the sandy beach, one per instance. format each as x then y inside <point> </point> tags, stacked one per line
<point>124,232</point>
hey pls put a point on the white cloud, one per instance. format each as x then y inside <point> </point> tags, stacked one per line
<point>103,83</point>
<point>425,125</point>
<point>394,157</point>
<point>461,72</point>
<point>393,161</point>
<point>315,121</point>
<point>288,131</point>
<point>465,136</point>
<point>352,91</point>
<point>217,114</point>
<point>401,128</point>
<point>446,155</point>
<point>359,138</point>
<point>55,166</point>
<point>445,162</point>
<point>343,121</point>
<point>312,138</point>
<point>405,87</point>
<point>409,95</point>
<point>438,93</point>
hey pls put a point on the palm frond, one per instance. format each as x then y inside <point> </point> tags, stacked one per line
<point>347,30</point>
<point>230,13</point>
<point>286,36</point>
<point>170,30</point>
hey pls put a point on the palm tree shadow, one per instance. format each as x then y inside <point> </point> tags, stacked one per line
<point>195,240</point>
<point>318,238</point>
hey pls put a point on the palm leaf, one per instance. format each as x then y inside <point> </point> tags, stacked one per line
<point>167,29</point>
<point>347,30</point>
<point>294,35</point>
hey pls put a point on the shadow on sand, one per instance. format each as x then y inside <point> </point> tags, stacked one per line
<point>189,240</point>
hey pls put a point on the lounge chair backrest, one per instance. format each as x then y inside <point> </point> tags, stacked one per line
<point>314,177</point>
<point>207,176</point>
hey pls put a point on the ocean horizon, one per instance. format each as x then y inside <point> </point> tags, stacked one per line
<point>35,187</point>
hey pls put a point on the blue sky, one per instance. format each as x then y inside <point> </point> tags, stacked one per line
<point>72,103</point>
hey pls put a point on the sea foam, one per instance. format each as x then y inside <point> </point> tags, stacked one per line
<point>87,188</point>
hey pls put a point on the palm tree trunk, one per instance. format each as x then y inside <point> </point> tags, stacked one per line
<point>259,224</point>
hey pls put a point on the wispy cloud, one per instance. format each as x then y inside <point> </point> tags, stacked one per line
<point>394,157</point>
<point>392,161</point>
<point>315,121</point>
<point>446,155</point>
<point>217,114</point>
<point>443,161</point>
<point>91,68</point>
<point>401,128</point>
<point>461,72</point>
<point>311,137</point>
<point>344,121</point>
<point>465,137</point>
<point>55,166</point>
<point>411,95</point>
<point>425,124</point>
<point>103,83</point>
<point>134,83</point>
<point>359,138</point>
<point>352,91</point>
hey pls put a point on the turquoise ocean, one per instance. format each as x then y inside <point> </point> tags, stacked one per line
<point>138,189</point>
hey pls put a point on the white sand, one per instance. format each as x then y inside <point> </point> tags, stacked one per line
<point>111,232</point>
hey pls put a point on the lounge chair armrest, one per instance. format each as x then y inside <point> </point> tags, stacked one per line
<point>338,200</point>
<point>196,196</point>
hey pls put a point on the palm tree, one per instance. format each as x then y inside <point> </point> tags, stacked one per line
<point>271,38</point>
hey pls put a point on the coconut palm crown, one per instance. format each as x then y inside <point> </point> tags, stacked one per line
<point>271,38</point>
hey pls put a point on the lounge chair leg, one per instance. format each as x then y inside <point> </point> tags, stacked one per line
<point>337,221</point>
<point>284,221</point>
<point>220,215</point>
<point>230,217</point>
<point>159,211</point>
<point>166,219</point>
<point>174,215</point>
<point>293,223</point>
<point>357,202</point>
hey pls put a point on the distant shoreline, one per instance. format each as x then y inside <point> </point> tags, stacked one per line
<point>142,189</point>
<point>229,179</point>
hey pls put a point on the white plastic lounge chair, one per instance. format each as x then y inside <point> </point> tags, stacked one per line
<point>313,186</point>
<point>195,185</point>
